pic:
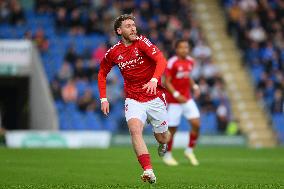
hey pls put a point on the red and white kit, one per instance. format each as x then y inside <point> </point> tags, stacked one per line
<point>179,70</point>
<point>138,65</point>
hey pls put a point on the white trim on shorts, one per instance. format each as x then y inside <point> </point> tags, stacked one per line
<point>175,110</point>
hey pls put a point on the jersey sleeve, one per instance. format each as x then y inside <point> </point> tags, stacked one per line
<point>155,54</point>
<point>149,49</point>
<point>169,72</point>
<point>191,60</point>
<point>105,67</point>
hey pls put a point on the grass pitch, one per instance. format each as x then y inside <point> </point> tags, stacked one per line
<point>117,167</point>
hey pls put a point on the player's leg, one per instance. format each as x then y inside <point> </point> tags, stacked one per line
<point>136,116</point>
<point>162,139</point>
<point>135,127</point>
<point>158,117</point>
<point>168,158</point>
<point>191,112</point>
<point>174,116</point>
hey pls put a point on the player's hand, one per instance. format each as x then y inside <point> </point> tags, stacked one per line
<point>181,99</point>
<point>151,87</point>
<point>105,107</point>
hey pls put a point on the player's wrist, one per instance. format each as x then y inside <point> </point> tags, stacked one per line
<point>195,87</point>
<point>154,80</point>
<point>176,94</point>
<point>103,100</point>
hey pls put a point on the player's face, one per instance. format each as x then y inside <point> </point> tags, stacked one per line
<point>182,49</point>
<point>128,30</point>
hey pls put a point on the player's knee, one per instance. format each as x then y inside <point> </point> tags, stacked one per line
<point>195,123</point>
<point>135,131</point>
<point>163,138</point>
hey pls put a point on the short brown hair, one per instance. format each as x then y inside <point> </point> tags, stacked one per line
<point>180,41</point>
<point>120,19</point>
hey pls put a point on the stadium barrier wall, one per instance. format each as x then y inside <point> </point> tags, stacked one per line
<point>181,140</point>
<point>60,139</point>
<point>104,139</point>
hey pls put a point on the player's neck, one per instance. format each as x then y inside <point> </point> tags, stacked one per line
<point>181,57</point>
<point>126,42</point>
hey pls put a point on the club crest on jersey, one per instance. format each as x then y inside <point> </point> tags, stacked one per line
<point>120,57</point>
<point>136,51</point>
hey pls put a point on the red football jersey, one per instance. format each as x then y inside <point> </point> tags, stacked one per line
<point>179,70</point>
<point>137,63</point>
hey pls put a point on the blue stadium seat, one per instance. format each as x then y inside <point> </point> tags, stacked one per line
<point>278,122</point>
<point>93,121</point>
<point>208,123</point>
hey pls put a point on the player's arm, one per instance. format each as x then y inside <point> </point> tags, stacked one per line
<point>169,86</point>
<point>160,68</point>
<point>105,68</point>
<point>195,88</point>
<point>157,56</point>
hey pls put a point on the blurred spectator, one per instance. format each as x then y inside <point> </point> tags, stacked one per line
<point>41,40</point>
<point>71,56</point>
<point>80,71</point>
<point>99,53</point>
<point>56,90</point>
<point>233,128</point>
<point>61,20</point>
<point>201,51</point>
<point>248,6</point>
<point>76,24</point>
<point>69,92</point>
<point>222,117</point>
<point>94,24</point>
<point>28,35</point>
<point>114,86</point>
<point>234,14</point>
<point>256,32</point>
<point>218,92</point>
<point>4,12</point>
<point>65,73</point>
<point>86,102</point>
<point>277,105</point>
<point>209,70</point>
<point>17,16</point>
<point>43,6</point>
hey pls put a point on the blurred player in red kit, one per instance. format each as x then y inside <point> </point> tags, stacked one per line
<point>180,102</point>
<point>141,64</point>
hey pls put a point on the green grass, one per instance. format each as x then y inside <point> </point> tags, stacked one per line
<point>118,168</point>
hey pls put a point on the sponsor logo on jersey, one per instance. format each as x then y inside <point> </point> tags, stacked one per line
<point>120,57</point>
<point>182,74</point>
<point>131,63</point>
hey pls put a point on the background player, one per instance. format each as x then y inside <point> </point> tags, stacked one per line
<point>178,84</point>
<point>141,64</point>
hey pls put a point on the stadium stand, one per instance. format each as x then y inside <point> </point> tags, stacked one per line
<point>258,29</point>
<point>73,36</point>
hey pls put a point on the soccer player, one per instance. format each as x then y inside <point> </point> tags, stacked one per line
<point>141,64</point>
<point>180,102</point>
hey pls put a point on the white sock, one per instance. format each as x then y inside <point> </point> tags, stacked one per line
<point>168,155</point>
<point>188,150</point>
